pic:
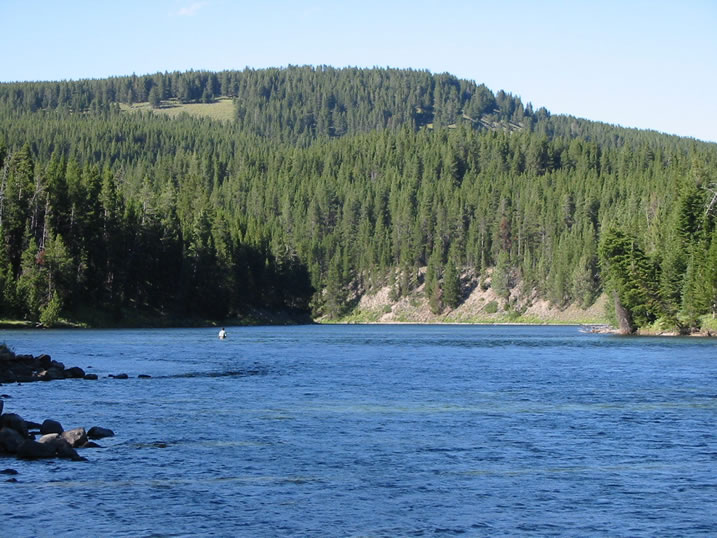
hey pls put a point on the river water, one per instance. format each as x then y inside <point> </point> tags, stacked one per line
<point>368,430</point>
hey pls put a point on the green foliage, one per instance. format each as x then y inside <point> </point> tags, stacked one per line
<point>501,278</point>
<point>451,285</point>
<point>491,307</point>
<point>329,180</point>
<point>50,314</point>
<point>30,284</point>
<point>631,275</point>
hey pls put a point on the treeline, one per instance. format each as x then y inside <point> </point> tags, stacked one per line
<point>190,215</point>
<point>74,243</point>
<point>294,104</point>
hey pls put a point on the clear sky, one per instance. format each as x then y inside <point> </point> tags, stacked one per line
<point>645,64</point>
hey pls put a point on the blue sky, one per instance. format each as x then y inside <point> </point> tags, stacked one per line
<point>645,64</point>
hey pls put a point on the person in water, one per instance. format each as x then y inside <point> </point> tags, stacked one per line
<point>222,334</point>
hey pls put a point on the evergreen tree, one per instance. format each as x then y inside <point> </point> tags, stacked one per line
<point>31,284</point>
<point>631,276</point>
<point>451,285</point>
<point>501,277</point>
<point>155,98</point>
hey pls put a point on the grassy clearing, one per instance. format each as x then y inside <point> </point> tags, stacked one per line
<point>222,109</point>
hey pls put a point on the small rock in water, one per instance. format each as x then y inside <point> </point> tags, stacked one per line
<point>75,372</point>
<point>8,471</point>
<point>144,376</point>
<point>97,432</point>
<point>91,376</point>
<point>51,426</point>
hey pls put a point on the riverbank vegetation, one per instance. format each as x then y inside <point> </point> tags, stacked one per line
<point>325,185</point>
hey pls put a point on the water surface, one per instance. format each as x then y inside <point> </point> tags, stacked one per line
<point>372,431</point>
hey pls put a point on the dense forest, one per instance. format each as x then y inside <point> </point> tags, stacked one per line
<point>330,182</point>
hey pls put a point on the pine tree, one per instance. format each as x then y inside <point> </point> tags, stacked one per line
<point>155,98</point>
<point>32,283</point>
<point>451,285</point>
<point>631,276</point>
<point>501,277</point>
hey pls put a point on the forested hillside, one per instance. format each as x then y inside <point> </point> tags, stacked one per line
<point>329,182</point>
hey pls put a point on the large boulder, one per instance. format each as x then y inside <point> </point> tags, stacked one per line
<point>97,432</point>
<point>10,439</point>
<point>44,360</point>
<point>76,437</point>
<point>61,446</point>
<point>32,450</point>
<point>75,372</point>
<point>14,421</point>
<point>51,426</point>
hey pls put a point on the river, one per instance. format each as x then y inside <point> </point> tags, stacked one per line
<point>371,430</point>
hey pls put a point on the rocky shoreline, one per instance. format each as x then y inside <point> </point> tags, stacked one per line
<point>19,437</point>
<point>27,368</point>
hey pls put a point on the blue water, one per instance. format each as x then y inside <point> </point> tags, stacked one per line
<point>372,431</point>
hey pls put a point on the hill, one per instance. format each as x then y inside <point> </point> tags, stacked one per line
<point>327,185</point>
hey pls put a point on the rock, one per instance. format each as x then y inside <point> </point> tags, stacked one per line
<point>97,432</point>
<point>91,376</point>
<point>120,376</point>
<point>32,450</point>
<point>75,372</point>
<point>44,360</point>
<point>26,368</point>
<point>51,374</point>
<point>8,471</point>
<point>10,440</point>
<point>91,444</point>
<point>11,420</point>
<point>48,437</point>
<point>21,370</point>
<point>32,425</point>
<point>144,376</point>
<point>76,437</point>
<point>63,449</point>
<point>51,426</point>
